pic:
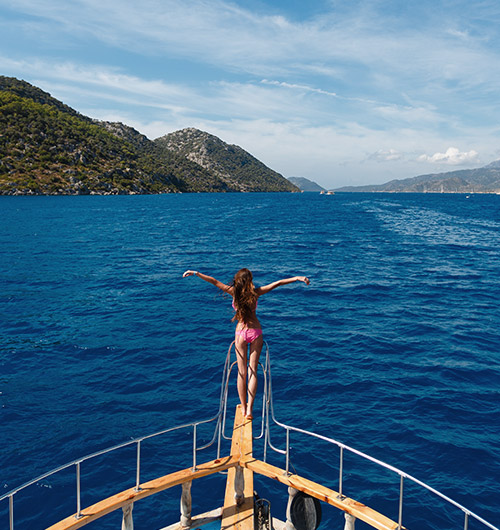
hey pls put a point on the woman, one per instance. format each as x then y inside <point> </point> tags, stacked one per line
<point>248,333</point>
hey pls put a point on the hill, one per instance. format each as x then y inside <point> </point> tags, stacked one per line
<point>48,148</point>
<point>480,180</point>
<point>305,184</point>
<point>234,166</point>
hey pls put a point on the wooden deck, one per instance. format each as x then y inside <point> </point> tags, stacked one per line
<point>239,516</point>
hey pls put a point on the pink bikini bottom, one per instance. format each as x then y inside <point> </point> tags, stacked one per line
<point>249,334</point>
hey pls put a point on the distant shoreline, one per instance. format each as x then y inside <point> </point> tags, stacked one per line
<point>337,192</point>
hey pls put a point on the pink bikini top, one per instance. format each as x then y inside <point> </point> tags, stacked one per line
<point>256,304</point>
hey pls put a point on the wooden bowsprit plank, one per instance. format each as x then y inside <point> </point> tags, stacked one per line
<point>239,516</point>
<point>350,506</point>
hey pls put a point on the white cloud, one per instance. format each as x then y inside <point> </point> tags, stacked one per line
<point>222,33</point>
<point>463,35</point>
<point>412,114</point>
<point>332,95</point>
<point>303,88</point>
<point>111,78</point>
<point>386,155</point>
<point>453,156</point>
<point>72,82</point>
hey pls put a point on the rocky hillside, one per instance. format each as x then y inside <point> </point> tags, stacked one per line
<point>234,166</point>
<point>48,148</point>
<point>480,180</point>
<point>187,176</point>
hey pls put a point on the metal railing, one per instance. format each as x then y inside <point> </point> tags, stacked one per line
<point>219,433</point>
<point>342,447</point>
<point>137,441</point>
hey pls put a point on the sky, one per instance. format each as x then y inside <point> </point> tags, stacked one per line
<point>343,92</point>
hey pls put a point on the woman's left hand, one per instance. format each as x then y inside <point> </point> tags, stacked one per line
<point>189,273</point>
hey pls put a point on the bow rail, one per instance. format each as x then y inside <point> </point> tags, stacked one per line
<point>267,419</point>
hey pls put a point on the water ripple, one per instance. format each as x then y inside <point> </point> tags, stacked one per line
<point>393,348</point>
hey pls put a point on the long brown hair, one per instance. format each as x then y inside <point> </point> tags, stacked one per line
<point>245,297</point>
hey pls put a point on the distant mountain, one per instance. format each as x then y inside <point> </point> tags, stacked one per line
<point>305,184</point>
<point>481,180</point>
<point>231,164</point>
<point>47,148</point>
<point>189,176</point>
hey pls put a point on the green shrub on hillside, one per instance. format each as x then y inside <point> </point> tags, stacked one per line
<point>48,148</point>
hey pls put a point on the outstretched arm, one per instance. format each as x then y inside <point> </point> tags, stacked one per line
<point>209,279</point>
<point>266,288</point>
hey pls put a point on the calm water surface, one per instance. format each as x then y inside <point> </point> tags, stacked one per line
<point>392,349</point>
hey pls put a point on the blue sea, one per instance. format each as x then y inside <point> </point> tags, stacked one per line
<point>393,349</point>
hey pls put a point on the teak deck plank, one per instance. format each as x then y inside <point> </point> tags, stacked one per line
<point>233,516</point>
<point>355,508</point>
<point>120,500</point>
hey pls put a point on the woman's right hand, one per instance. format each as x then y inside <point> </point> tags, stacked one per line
<point>189,273</point>
<point>304,279</point>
